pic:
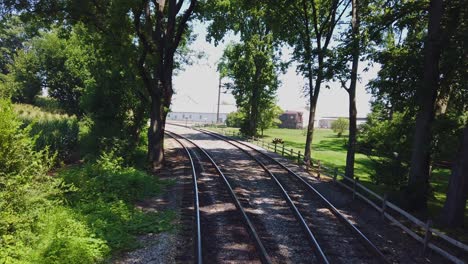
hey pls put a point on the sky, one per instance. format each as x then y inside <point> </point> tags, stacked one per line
<point>196,86</point>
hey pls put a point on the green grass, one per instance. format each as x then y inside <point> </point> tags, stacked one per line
<point>331,151</point>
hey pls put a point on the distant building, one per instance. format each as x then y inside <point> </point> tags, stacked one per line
<point>194,117</point>
<point>326,122</point>
<point>291,119</point>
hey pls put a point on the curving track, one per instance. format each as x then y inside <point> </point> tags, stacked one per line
<point>330,235</point>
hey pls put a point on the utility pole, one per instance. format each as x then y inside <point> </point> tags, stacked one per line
<point>219,97</point>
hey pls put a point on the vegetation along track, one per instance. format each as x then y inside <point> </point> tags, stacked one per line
<point>223,231</point>
<point>339,240</point>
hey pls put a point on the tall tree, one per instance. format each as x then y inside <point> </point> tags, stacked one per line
<point>157,28</point>
<point>160,30</point>
<point>253,64</point>
<point>453,212</point>
<point>349,171</point>
<point>418,184</point>
<point>349,51</point>
<point>308,26</point>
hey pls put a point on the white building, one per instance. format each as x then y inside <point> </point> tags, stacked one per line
<point>325,122</point>
<point>194,117</point>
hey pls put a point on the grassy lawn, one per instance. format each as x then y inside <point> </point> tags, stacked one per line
<point>331,151</point>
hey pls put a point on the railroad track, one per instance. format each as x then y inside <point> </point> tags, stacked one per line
<point>222,230</point>
<point>335,239</point>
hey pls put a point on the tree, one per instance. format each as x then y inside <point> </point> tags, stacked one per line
<point>252,64</point>
<point>308,26</point>
<point>155,28</point>
<point>350,50</point>
<point>340,125</point>
<point>418,185</point>
<point>22,81</point>
<point>269,117</point>
<point>453,212</point>
<point>12,35</point>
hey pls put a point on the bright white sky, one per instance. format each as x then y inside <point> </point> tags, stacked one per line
<point>197,86</point>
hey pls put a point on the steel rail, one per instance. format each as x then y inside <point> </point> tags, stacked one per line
<point>317,248</point>
<point>196,202</point>
<point>334,210</point>
<point>265,258</point>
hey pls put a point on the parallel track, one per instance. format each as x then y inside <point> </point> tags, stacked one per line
<point>295,183</point>
<point>301,196</point>
<point>213,192</point>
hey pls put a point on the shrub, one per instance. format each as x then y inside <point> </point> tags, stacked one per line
<point>234,119</point>
<point>58,132</point>
<point>277,141</point>
<point>34,225</point>
<point>340,125</point>
<point>104,195</point>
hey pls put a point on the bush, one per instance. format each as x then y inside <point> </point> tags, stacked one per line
<point>35,227</point>
<point>58,132</point>
<point>235,119</point>
<point>340,125</point>
<point>104,195</point>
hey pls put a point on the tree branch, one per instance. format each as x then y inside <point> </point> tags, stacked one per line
<point>183,24</point>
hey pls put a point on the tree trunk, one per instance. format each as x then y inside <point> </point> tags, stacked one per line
<point>160,103</point>
<point>310,127</point>
<point>349,170</point>
<point>453,213</point>
<point>418,184</point>
<point>156,133</point>
<point>253,122</point>
<point>254,111</point>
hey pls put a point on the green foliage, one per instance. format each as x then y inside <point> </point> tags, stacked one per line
<point>252,65</point>
<point>81,216</point>
<point>390,141</point>
<point>23,82</point>
<point>340,125</point>
<point>109,179</point>
<point>104,193</point>
<point>269,117</point>
<point>57,132</point>
<point>10,40</point>
<point>234,119</point>
<point>34,226</point>
<point>17,155</point>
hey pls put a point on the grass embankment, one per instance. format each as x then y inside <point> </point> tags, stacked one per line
<point>331,151</point>
<point>81,213</point>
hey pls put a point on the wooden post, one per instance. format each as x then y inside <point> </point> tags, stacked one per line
<point>282,151</point>
<point>356,180</point>
<point>292,153</point>
<point>318,172</point>
<point>275,147</point>
<point>384,204</point>
<point>428,235</point>
<point>335,174</point>
<point>299,157</point>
